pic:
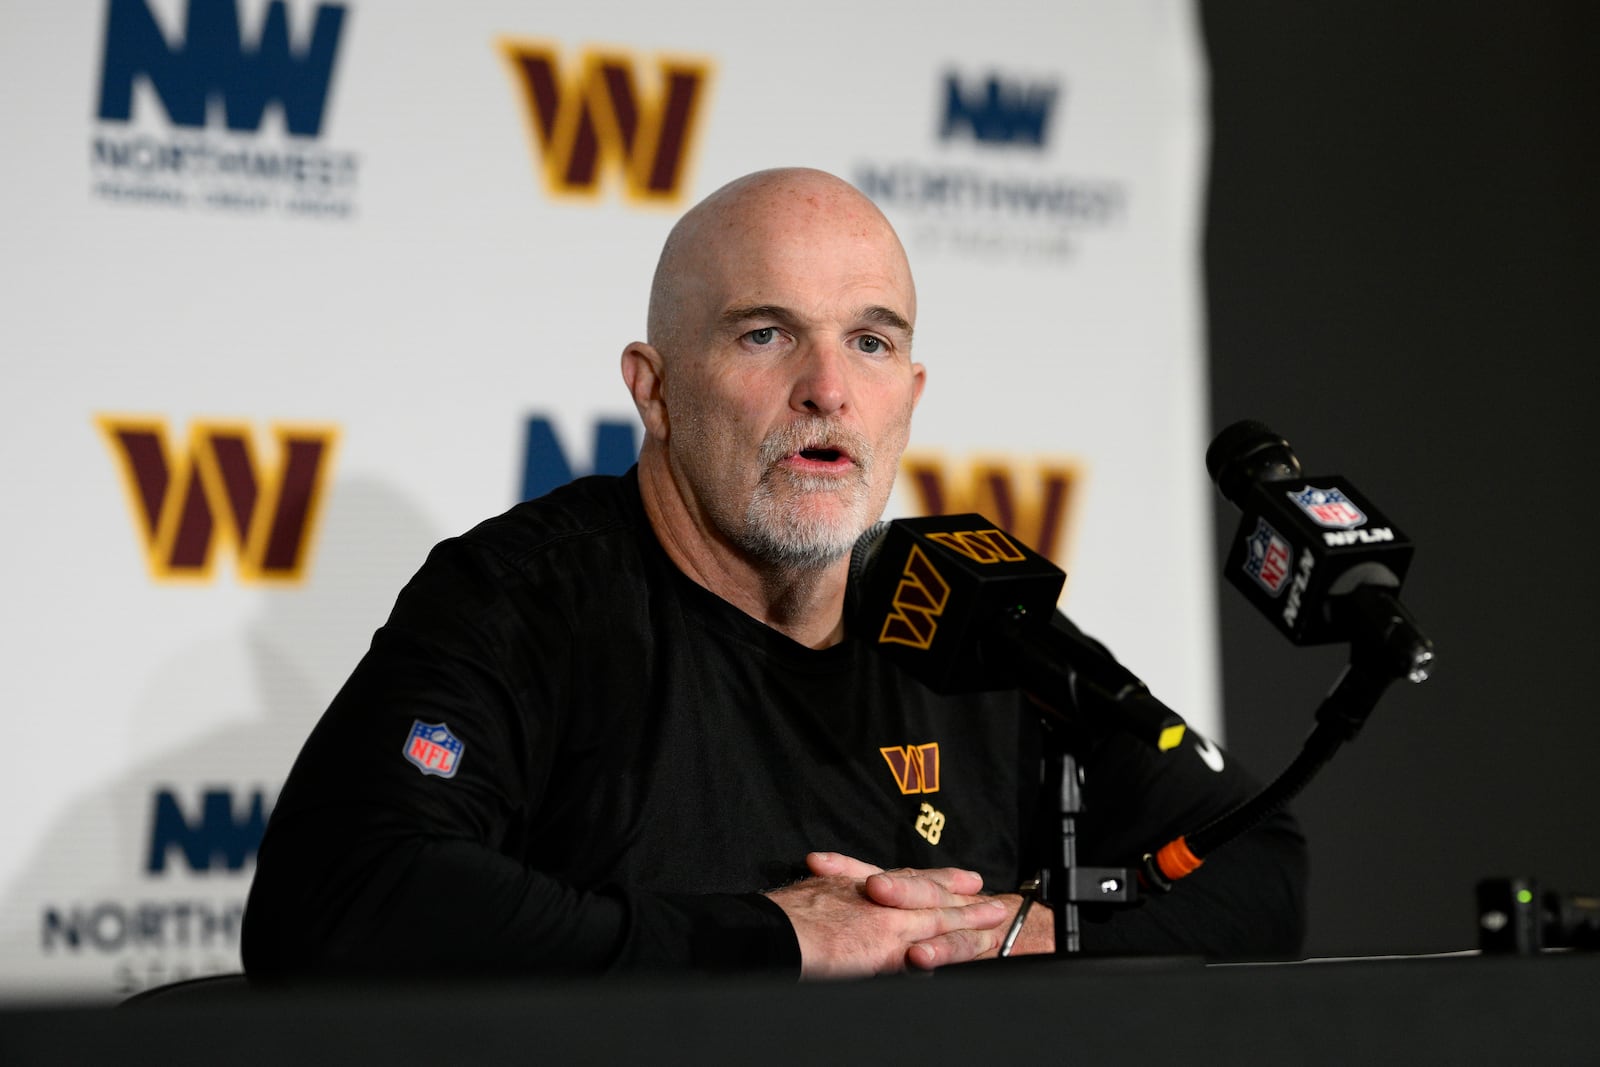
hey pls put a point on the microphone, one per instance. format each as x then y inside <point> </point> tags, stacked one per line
<point>963,607</point>
<point>1313,554</point>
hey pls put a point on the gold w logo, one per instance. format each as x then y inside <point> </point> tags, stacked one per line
<point>981,546</point>
<point>600,113</point>
<point>215,489</point>
<point>915,767</point>
<point>1036,510</point>
<point>918,602</point>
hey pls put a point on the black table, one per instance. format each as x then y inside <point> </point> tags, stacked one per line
<point>1474,1009</point>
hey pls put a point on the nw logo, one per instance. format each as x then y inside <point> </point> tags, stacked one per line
<point>545,464</point>
<point>998,112</point>
<point>216,489</point>
<point>1036,511</point>
<point>213,62</point>
<point>915,767</point>
<point>221,835</point>
<point>599,113</point>
<point>919,600</point>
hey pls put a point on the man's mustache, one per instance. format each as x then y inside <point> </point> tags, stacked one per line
<point>815,435</point>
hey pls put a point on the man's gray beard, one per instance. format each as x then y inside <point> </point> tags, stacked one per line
<point>776,532</point>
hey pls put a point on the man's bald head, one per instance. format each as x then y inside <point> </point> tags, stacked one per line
<point>753,215</point>
<point>776,391</point>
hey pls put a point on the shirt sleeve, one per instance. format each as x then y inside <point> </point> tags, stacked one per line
<point>372,865</point>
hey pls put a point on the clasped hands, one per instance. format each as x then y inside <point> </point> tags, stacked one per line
<point>853,918</point>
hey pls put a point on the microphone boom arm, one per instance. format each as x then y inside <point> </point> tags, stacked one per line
<point>1250,463</point>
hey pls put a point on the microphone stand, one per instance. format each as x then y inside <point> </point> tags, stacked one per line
<point>1060,883</point>
<point>1385,646</point>
<point>1063,885</point>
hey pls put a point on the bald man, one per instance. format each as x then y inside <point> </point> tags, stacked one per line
<point>621,727</point>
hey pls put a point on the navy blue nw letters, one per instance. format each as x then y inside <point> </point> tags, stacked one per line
<point>998,113</point>
<point>213,62</point>
<point>220,837</point>
<point>545,465</point>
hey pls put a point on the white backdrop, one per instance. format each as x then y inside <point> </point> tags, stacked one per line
<point>405,288</point>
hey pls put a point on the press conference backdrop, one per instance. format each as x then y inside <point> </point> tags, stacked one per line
<point>293,290</point>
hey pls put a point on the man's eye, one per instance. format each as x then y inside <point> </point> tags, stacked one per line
<point>764,336</point>
<point>870,344</point>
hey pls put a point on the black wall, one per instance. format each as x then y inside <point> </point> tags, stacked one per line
<point>1403,264</point>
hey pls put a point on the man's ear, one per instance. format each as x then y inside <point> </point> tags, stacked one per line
<point>642,369</point>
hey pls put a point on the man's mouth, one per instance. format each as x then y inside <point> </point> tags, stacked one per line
<point>821,449</point>
<point>820,458</point>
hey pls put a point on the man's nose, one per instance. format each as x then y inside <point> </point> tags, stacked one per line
<point>821,388</point>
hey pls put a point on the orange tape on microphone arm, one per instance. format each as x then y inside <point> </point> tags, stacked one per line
<point>1175,859</point>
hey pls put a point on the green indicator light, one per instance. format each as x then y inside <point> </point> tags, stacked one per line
<point>1524,897</point>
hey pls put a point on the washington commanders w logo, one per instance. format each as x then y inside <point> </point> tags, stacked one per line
<point>1036,511</point>
<point>184,502</point>
<point>919,600</point>
<point>981,546</point>
<point>599,113</point>
<point>915,767</point>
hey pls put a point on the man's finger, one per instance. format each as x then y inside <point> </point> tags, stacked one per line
<point>925,924</point>
<point>957,946</point>
<point>957,880</point>
<point>908,888</point>
<point>960,935</point>
<point>827,864</point>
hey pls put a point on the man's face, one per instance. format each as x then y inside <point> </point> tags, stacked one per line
<point>791,386</point>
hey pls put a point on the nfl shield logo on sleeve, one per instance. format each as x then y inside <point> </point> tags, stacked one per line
<point>434,749</point>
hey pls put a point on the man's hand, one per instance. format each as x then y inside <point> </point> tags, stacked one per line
<point>856,919</point>
<point>913,889</point>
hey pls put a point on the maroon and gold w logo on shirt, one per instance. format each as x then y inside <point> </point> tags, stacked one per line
<point>915,767</point>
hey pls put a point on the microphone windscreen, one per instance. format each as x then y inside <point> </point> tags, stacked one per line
<point>865,549</point>
<point>1248,452</point>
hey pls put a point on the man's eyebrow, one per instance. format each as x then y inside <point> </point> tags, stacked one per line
<point>735,315</point>
<point>883,316</point>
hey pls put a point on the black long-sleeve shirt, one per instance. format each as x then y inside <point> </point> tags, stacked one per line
<point>561,754</point>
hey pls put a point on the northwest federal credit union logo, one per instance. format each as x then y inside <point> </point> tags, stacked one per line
<point>998,110</point>
<point>216,488</point>
<point>993,191</point>
<point>214,81</point>
<point>607,112</point>
<point>171,926</point>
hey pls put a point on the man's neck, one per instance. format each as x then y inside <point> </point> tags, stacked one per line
<point>804,604</point>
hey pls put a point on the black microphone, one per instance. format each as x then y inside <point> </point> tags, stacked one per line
<point>1313,554</point>
<point>964,607</point>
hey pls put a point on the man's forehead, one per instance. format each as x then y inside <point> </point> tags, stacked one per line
<point>845,268</point>
<point>803,240</point>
